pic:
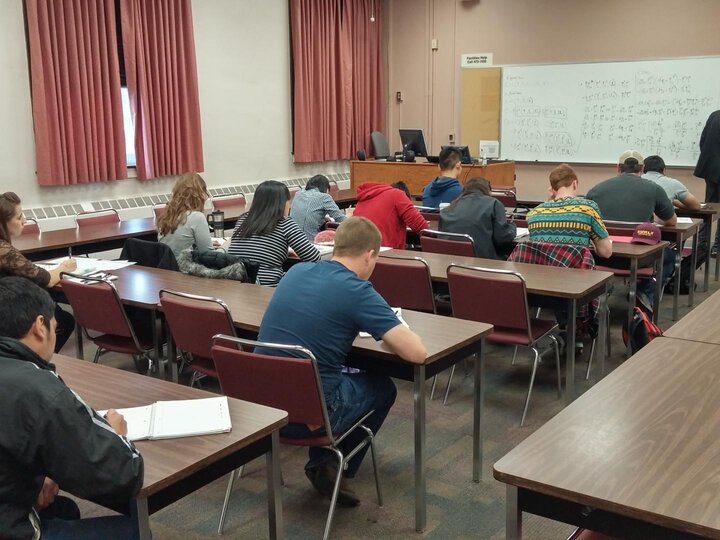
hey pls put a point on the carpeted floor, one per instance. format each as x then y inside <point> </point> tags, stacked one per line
<point>457,507</point>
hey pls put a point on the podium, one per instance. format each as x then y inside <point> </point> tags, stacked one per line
<point>417,175</point>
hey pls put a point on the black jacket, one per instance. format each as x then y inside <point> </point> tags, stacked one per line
<point>483,218</point>
<point>46,430</point>
<point>708,165</point>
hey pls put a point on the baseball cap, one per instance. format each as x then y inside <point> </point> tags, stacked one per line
<point>627,154</point>
<point>646,233</point>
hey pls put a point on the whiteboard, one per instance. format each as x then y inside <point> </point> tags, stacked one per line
<point>593,112</point>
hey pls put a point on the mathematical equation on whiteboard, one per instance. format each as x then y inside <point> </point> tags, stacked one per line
<point>563,115</point>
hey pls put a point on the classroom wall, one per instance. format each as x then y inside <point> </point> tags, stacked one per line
<point>527,32</point>
<point>244,79</point>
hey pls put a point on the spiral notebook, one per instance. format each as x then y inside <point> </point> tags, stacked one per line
<point>175,419</point>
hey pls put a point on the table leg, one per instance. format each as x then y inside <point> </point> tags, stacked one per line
<point>693,262</point>
<point>172,353</point>
<point>275,516</point>
<point>157,345</point>
<point>141,516</point>
<point>603,329</point>
<point>570,352</point>
<point>633,290</point>
<point>678,279</point>
<point>420,483</point>
<point>477,414</point>
<point>513,514</point>
<point>657,265</point>
<point>706,279</point>
<point>79,353</point>
<point>717,259</point>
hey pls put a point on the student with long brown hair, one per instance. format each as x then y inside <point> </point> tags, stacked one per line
<point>184,225</point>
<point>14,263</point>
<point>477,213</point>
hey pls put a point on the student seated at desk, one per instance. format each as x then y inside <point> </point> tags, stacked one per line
<point>477,213</point>
<point>265,232</point>
<point>52,440</point>
<point>391,210</point>
<point>184,225</point>
<point>310,206</point>
<point>444,188</point>
<point>14,263</point>
<point>322,308</point>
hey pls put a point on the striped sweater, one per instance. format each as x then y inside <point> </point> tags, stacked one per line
<point>271,250</point>
<point>569,220</point>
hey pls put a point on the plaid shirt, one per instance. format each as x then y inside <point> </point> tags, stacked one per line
<point>566,256</point>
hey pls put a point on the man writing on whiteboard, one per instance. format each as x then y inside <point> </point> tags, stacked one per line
<point>628,197</point>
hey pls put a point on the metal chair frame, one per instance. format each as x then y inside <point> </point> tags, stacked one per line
<point>79,217</point>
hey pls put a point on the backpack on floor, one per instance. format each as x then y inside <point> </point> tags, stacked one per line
<point>641,332</point>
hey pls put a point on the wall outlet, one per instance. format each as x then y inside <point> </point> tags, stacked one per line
<point>398,96</point>
<point>451,138</point>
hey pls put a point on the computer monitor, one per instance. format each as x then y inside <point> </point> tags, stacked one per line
<point>464,153</point>
<point>413,139</point>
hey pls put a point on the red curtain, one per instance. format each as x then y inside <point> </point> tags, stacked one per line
<point>75,78</point>
<point>338,95</point>
<point>159,53</point>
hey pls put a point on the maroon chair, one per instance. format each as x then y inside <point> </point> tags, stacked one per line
<point>291,384</point>
<point>97,217</point>
<point>499,297</point>
<point>31,227</point>
<point>293,190</point>
<point>430,216</point>
<point>159,210</point>
<point>404,282</point>
<point>586,534</point>
<point>232,200</point>
<point>447,243</point>
<point>193,321</point>
<point>97,308</point>
<point>334,188</point>
<point>507,198</point>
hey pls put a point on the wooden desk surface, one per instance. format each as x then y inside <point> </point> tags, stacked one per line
<point>711,209</point>
<point>701,324</point>
<point>641,443</point>
<point>542,280</point>
<point>247,302</point>
<point>167,461</point>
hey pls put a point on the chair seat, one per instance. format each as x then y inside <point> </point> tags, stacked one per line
<point>204,365</point>
<point>645,272</point>
<point>120,344</point>
<point>509,336</point>
<point>686,252</point>
<point>320,440</point>
<point>586,534</point>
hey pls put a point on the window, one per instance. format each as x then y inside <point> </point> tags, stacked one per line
<point>129,128</point>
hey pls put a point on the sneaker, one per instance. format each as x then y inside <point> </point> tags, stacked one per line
<point>323,480</point>
<point>643,302</point>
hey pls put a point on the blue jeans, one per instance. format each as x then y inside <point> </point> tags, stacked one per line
<point>115,527</point>
<point>356,394</point>
<point>647,286</point>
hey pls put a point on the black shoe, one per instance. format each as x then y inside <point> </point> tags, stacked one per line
<point>323,480</point>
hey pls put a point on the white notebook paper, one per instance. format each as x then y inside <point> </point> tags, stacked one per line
<point>174,419</point>
<point>521,231</point>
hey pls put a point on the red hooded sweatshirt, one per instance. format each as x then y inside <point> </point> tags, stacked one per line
<point>389,209</point>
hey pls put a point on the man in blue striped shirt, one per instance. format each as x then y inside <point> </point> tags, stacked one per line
<point>309,207</point>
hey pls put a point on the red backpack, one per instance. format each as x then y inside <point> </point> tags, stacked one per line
<point>641,332</point>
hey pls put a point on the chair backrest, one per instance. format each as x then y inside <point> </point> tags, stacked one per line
<point>194,320</point>
<point>290,383</point>
<point>507,198</point>
<point>97,306</point>
<point>334,188</point>
<point>381,150</point>
<point>520,220</point>
<point>159,210</point>
<point>621,228</point>
<point>404,282</point>
<point>97,217</point>
<point>430,216</point>
<point>447,243</point>
<point>150,253</point>
<point>293,191</point>
<point>31,227</point>
<point>492,296</point>
<point>231,200</point>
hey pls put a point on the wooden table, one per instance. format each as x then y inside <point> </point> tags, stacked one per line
<point>701,324</point>
<point>175,468</point>
<point>419,174</point>
<point>708,214</point>
<point>547,286</point>
<point>635,457</point>
<point>447,340</point>
<point>345,197</point>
